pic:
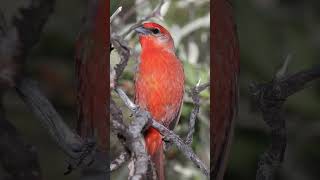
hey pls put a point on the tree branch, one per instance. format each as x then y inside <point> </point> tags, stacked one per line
<point>124,51</point>
<point>43,109</point>
<point>195,95</point>
<point>15,43</point>
<point>168,135</point>
<point>270,98</point>
<point>119,161</point>
<point>80,151</point>
<point>154,13</point>
<point>133,138</point>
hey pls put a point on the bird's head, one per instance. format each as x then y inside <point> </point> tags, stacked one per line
<point>153,35</point>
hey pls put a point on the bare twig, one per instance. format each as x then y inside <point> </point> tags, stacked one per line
<point>115,14</point>
<point>154,13</point>
<point>120,160</point>
<point>270,98</point>
<point>124,52</point>
<point>194,93</point>
<point>169,135</point>
<point>133,107</point>
<point>282,72</point>
<point>134,139</point>
<point>184,148</point>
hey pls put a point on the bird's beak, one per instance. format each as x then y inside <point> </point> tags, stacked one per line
<point>142,31</point>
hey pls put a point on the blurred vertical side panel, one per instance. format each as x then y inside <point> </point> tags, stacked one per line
<point>224,84</point>
<point>92,73</point>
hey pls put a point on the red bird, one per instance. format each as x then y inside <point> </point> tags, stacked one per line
<point>225,72</point>
<point>159,86</point>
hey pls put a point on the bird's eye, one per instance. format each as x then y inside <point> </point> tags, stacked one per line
<point>155,31</point>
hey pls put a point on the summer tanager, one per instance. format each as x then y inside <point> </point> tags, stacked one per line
<point>159,86</point>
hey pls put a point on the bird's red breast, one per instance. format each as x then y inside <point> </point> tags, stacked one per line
<point>159,84</point>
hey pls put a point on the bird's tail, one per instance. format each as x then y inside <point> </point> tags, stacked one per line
<point>154,146</point>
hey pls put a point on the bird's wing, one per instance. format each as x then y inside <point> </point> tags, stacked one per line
<point>224,84</point>
<point>176,119</point>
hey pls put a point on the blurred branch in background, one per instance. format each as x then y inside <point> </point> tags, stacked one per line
<point>154,13</point>
<point>187,29</point>
<point>15,44</point>
<point>270,98</point>
<point>80,151</point>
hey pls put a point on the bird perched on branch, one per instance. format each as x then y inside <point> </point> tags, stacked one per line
<point>225,63</point>
<point>159,86</point>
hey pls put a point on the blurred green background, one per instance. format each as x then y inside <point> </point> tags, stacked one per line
<point>268,30</point>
